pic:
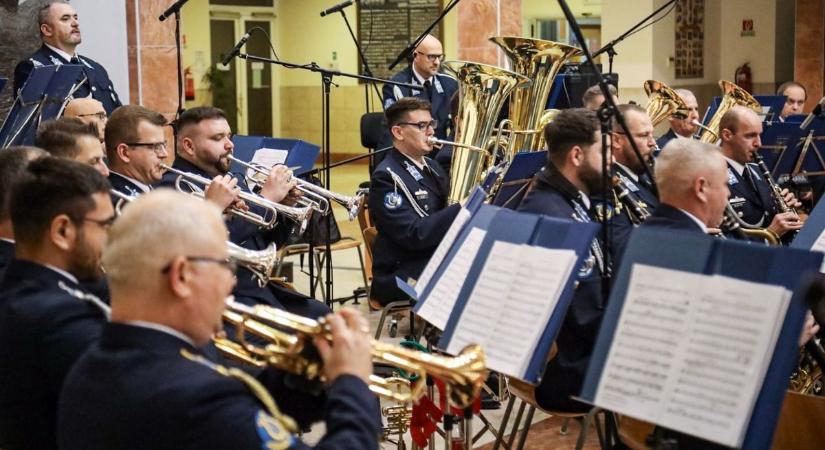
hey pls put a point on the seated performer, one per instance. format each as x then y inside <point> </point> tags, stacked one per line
<point>73,139</point>
<point>593,96</point>
<point>61,213</point>
<point>60,33</point>
<point>751,195</point>
<point>796,95</point>
<point>87,110</point>
<point>682,127</point>
<point>204,145</point>
<point>13,162</point>
<point>146,383</point>
<point>562,189</point>
<point>407,201</point>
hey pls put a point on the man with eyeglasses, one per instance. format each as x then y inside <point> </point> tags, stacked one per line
<point>73,139</point>
<point>436,88</point>
<point>87,110</point>
<point>407,201</point>
<point>61,213</point>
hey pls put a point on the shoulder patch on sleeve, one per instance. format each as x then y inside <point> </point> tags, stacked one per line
<point>274,436</point>
<point>392,200</point>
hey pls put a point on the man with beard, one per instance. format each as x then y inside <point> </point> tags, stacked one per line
<point>204,146</point>
<point>61,214</point>
<point>13,162</point>
<point>682,127</point>
<point>563,189</point>
<point>60,33</point>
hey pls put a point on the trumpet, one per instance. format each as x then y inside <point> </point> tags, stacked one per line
<point>259,262</point>
<point>318,197</point>
<point>289,339</point>
<point>197,184</point>
<point>123,199</point>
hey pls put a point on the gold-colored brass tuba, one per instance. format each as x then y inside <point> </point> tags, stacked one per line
<point>483,90</point>
<point>539,61</point>
<point>289,344</point>
<point>732,95</point>
<point>664,102</point>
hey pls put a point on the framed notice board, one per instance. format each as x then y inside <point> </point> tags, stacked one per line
<point>385,27</point>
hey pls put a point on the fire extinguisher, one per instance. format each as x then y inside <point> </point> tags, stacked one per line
<point>743,77</point>
<point>188,84</point>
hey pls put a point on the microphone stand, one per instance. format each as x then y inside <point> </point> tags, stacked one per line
<point>326,82</point>
<point>404,53</point>
<point>175,9</point>
<point>367,70</point>
<point>609,48</point>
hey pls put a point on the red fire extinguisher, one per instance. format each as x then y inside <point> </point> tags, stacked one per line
<point>743,77</point>
<point>188,84</point>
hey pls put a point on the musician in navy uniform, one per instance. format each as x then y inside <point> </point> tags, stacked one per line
<point>61,213</point>
<point>87,110</point>
<point>681,127</point>
<point>146,383</point>
<point>436,88</point>
<point>795,97</point>
<point>60,33</point>
<point>204,147</point>
<point>135,148</point>
<point>75,140</point>
<point>563,189</point>
<point>750,194</point>
<point>407,201</point>
<point>13,162</point>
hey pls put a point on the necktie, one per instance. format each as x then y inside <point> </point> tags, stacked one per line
<point>74,60</point>
<point>428,90</point>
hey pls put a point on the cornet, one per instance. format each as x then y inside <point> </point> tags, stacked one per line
<point>288,336</point>
<point>318,197</point>
<point>196,185</point>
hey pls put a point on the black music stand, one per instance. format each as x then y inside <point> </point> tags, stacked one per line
<point>778,142</point>
<point>43,97</point>
<point>810,161</point>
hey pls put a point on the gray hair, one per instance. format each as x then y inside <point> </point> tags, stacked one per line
<point>680,162</point>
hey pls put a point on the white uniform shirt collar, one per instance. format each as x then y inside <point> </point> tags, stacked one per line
<point>419,77</point>
<point>162,329</point>
<point>627,171</point>
<point>143,187</point>
<point>62,54</point>
<point>739,168</point>
<point>696,219</point>
<point>64,273</point>
<point>585,200</point>
<point>10,241</point>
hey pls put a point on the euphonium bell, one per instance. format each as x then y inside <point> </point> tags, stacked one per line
<point>732,95</point>
<point>259,262</point>
<point>664,102</point>
<point>483,90</point>
<point>289,348</point>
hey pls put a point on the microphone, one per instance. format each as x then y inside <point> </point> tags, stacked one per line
<point>338,7</point>
<point>236,49</point>
<point>817,111</point>
<point>172,9</point>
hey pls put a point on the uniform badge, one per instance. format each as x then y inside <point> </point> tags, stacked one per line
<point>273,435</point>
<point>629,183</point>
<point>602,209</point>
<point>393,200</point>
<point>413,171</point>
<point>421,194</point>
<point>55,61</point>
<point>732,177</point>
<point>587,267</point>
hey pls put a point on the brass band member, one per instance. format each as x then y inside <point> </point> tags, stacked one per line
<point>682,126</point>
<point>87,110</point>
<point>593,96</point>
<point>13,162</point>
<point>73,139</point>
<point>796,95</point>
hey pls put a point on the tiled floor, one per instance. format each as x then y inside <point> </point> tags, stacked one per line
<point>545,432</point>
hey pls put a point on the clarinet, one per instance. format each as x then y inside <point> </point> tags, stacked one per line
<point>776,191</point>
<point>637,210</point>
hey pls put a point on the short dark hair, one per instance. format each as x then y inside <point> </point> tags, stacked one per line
<point>197,114</point>
<point>623,110</point>
<point>397,112</point>
<point>123,124</point>
<point>43,13</point>
<point>594,91</point>
<point>47,188</point>
<point>571,127</point>
<point>13,162</point>
<point>782,87</point>
<point>59,137</point>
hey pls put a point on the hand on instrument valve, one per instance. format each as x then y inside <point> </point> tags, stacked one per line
<point>222,191</point>
<point>790,199</point>
<point>784,222</point>
<point>350,349</point>
<point>292,197</point>
<point>278,184</point>
<point>809,330</point>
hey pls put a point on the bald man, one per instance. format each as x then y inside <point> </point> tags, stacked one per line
<point>436,88</point>
<point>146,383</point>
<point>682,127</point>
<point>87,110</point>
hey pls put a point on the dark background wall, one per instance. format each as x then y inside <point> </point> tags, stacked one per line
<point>18,39</point>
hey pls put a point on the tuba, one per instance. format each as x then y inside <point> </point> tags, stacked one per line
<point>289,347</point>
<point>483,90</point>
<point>732,95</point>
<point>539,61</point>
<point>664,102</point>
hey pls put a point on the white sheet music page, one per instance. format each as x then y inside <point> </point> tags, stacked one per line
<point>819,246</point>
<point>438,306</point>
<point>509,307</point>
<point>268,157</point>
<point>690,351</point>
<point>441,251</point>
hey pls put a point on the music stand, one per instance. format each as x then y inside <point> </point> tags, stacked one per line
<point>771,107</point>
<point>516,179</point>
<point>43,97</point>
<point>809,161</point>
<point>777,139</point>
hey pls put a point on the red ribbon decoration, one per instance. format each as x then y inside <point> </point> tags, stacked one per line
<point>425,418</point>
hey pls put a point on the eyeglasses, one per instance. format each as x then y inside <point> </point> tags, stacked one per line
<point>432,58</point>
<point>103,223</point>
<point>421,125</point>
<point>157,147</point>
<point>229,264</point>
<point>100,115</point>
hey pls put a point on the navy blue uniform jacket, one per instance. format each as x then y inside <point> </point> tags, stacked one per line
<point>98,84</point>
<point>43,331</point>
<point>668,217</point>
<point>754,201</point>
<point>406,239</point>
<point>135,390</point>
<point>554,196</point>
<point>665,138</point>
<point>621,225</point>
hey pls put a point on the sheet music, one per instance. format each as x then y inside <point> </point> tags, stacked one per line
<point>819,246</point>
<point>511,303</point>
<point>690,351</point>
<point>268,157</point>
<point>439,304</point>
<point>441,251</point>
